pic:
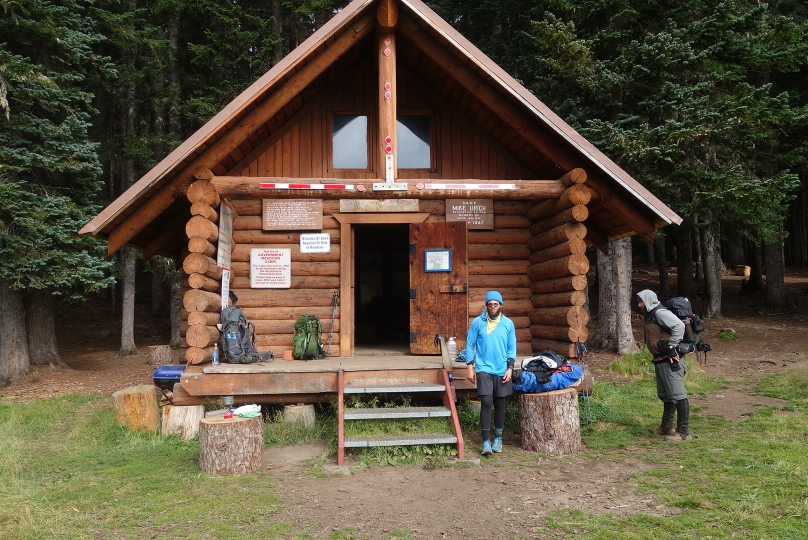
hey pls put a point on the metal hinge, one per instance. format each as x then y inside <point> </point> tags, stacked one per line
<point>412,249</point>
<point>412,294</point>
<point>412,337</point>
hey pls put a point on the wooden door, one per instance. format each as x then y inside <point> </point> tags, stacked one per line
<point>438,284</point>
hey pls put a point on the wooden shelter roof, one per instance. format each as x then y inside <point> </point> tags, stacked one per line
<point>445,64</point>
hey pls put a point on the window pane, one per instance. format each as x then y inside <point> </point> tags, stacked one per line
<point>413,142</point>
<point>350,141</point>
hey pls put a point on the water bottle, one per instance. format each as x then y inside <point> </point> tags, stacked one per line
<point>452,346</point>
<point>214,358</point>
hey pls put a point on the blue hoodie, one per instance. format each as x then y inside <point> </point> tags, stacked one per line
<point>494,349</point>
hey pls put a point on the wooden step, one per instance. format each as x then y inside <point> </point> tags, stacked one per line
<point>403,389</point>
<point>397,412</point>
<point>400,440</point>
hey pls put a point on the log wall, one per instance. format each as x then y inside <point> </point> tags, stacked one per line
<point>557,269</point>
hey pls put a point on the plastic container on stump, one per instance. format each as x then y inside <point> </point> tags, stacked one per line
<point>214,357</point>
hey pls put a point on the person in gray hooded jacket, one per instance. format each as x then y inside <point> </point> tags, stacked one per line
<point>663,332</point>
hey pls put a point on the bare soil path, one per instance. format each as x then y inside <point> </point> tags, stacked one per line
<point>492,498</point>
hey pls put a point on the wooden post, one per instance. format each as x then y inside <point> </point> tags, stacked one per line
<point>229,446</point>
<point>549,422</point>
<point>159,355</point>
<point>136,407</point>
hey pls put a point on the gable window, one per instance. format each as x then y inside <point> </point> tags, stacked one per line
<point>349,141</point>
<point>414,141</point>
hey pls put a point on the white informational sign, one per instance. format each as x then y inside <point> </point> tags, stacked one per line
<point>225,235</point>
<point>225,289</point>
<point>315,243</point>
<point>271,268</point>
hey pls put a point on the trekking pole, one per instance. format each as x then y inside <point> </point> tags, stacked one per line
<point>333,318</point>
<point>581,350</point>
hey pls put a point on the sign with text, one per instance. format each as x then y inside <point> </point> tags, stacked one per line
<point>292,214</point>
<point>225,289</point>
<point>271,268</point>
<point>378,205</point>
<point>477,213</point>
<point>225,235</point>
<point>315,243</point>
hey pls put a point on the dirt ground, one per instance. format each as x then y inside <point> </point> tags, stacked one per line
<point>489,498</point>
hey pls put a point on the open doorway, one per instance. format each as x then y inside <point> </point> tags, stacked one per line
<point>381,288</point>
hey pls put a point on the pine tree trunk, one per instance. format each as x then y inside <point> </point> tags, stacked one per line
<point>684,260</point>
<point>43,349</point>
<point>605,335</point>
<point>713,270</point>
<point>128,302</point>
<point>277,28</point>
<point>662,264</point>
<point>756,276</point>
<point>176,307</point>
<point>157,287</point>
<point>733,252</point>
<point>14,359</point>
<point>620,258</point>
<point>775,281</point>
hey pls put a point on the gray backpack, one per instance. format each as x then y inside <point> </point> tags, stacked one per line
<point>238,337</point>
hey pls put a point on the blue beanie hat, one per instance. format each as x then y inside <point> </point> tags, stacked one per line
<point>493,295</point>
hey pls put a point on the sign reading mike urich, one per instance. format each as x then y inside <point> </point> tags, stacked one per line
<point>271,268</point>
<point>292,214</point>
<point>477,213</point>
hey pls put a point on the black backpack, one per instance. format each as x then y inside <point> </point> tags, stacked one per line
<point>694,325</point>
<point>238,337</point>
<point>307,343</point>
<point>541,365</point>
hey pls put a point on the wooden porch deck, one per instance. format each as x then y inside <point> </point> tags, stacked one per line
<point>299,381</point>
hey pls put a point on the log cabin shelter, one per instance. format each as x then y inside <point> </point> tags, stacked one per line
<point>383,176</point>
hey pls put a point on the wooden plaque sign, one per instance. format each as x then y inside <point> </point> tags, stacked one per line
<point>225,234</point>
<point>292,214</point>
<point>477,213</point>
<point>378,205</point>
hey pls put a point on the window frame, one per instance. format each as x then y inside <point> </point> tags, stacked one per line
<point>330,113</point>
<point>433,160</point>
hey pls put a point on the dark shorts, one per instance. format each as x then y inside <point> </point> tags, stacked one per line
<point>492,385</point>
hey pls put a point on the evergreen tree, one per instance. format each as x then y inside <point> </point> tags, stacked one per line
<point>48,168</point>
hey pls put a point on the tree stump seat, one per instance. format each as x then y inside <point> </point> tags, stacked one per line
<point>231,446</point>
<point>549,422</point>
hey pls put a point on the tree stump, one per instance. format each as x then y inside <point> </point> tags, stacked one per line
<point>230,446</point>
<point>159,355</point>
<point>549,422</point>
<point>136,407</point>
<point>182,421</point>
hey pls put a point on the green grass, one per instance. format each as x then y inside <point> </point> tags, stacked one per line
<point>69,471</point>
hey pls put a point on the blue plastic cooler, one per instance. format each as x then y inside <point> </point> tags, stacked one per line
<point>167,376</point>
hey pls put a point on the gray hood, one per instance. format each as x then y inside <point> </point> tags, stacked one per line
<point>649,298</point>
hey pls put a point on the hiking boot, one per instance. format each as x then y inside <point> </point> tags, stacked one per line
<point>487,448</point>
<point>678,437</point>
<point>497,446</point>
<point>661,431</point>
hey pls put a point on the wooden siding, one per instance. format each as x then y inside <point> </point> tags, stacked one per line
<point>301,149</point>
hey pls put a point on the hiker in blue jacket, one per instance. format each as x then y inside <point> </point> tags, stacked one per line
<point>490,353</point>
<point>663,332</point>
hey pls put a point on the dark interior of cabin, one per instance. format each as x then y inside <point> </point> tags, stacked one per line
<point>382,286</point>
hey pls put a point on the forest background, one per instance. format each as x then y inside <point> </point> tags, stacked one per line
<point>705,103</point>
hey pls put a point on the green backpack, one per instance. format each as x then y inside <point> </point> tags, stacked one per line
<point>307,344</point>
